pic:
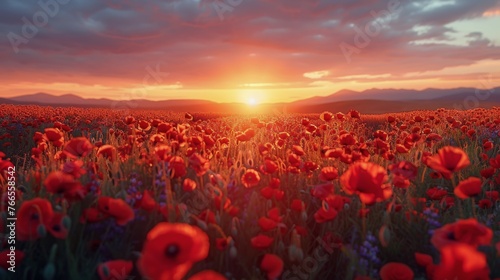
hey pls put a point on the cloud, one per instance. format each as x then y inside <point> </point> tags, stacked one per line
<point>316,74</point>
<point>276,44</point>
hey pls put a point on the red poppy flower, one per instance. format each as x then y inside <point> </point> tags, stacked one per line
<point>107,151</point>
<point>347,139</point>
<point>33,218</point>
<point>326,116</point>
<point>327,212</point>
<point>328,173</point>
<point>4,168</point>
<point>272,265</point>
<point>461,262</point>
<point>396,271</point>
<point>298,205</point>
<point>199,164</point>
<point>363,212</point>
<point>267,224</point>
<point>400,182</point>
<point>115,270</point>
<point>322,191</point>
<point>493,195</point>
<point>208,216</point>
<point>468,188</point>
<point>222,243</point>
<point>188,185</point>
<point>495,162</point>
<point>177,167</point>
<point>55,136</point>
<point>58,182</point>
<point>116,208</point>
<point>92,215</point>
<point>354,114</point>
<point>294,160</point>
<point>367,180</point>
<point>59,225</point>
<point>269,167</point>
<point>334,153</point>
<point>469,232</point>
<point>267,192</point>
<point>207,275</point>
<point>78,147</point>
<point>487,172</point>
<point>261,241</point>
<point>436,193</point>
<point>163,152</point>
<point>146,201</point>
<point>251,178</point>
<point>488,145</point>
<point>171,249</point>
<point>129,120</point>
<point>485,204</point>
<point>74,168</point>
<point>298,150</point>
<point>405,169</point>
<point>423,260</point>
<point>448,160</point>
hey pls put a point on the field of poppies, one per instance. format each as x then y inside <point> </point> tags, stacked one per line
<point>106,194</point>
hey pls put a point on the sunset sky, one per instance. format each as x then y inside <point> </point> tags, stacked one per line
<point>244,50</point>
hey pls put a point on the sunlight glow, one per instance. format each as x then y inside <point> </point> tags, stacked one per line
<point>252,101</point>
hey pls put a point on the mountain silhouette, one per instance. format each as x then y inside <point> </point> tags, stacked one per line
<point>371,101</point>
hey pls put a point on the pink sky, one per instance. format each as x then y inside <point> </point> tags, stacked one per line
<point>268,51</point>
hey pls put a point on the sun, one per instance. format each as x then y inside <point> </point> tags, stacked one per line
<point>252,101</point>
<point>252,97</point>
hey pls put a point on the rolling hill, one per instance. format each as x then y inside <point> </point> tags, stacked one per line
<point>372,101</point>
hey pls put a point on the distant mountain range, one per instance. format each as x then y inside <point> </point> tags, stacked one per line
<point>371,101</point>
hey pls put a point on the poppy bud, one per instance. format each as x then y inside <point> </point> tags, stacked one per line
<point>295,253</point>
<point>105,270</point>
<point>291,253</point>
<point>386,218</point>
<point>296,238</point>
<point>41,230</point>
<point>235,222</point>
<point>281,246</point>
<point>183,209</point>
<point>122,194</point>
<point>49,271</point>
<point>201,224</point>
<point>303,216</point>
<point>269,204</point>
<point>384,235</point>
<point>66,222</point>
<point>300,254</point>
<point>233,253</point>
